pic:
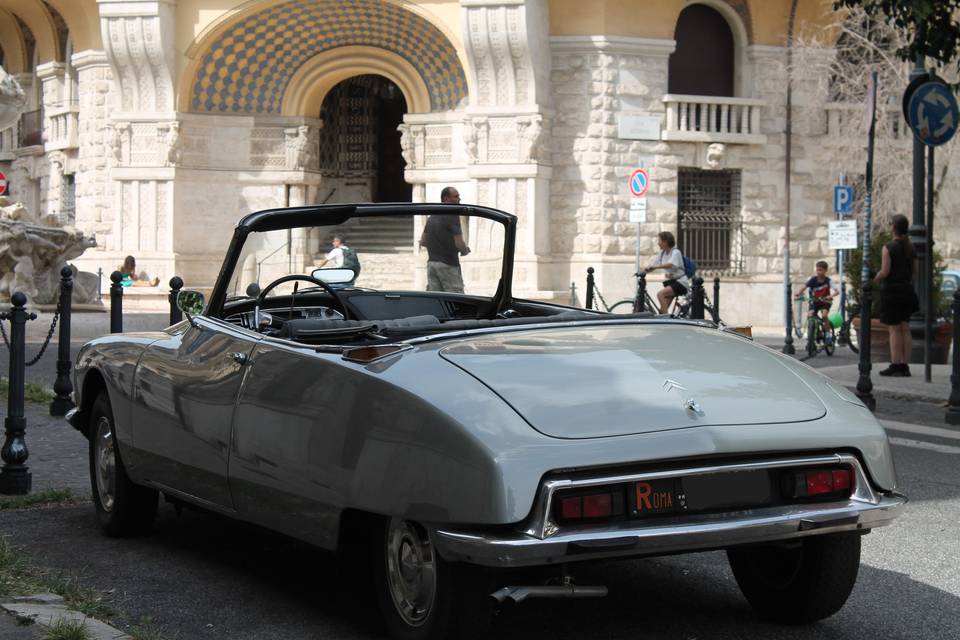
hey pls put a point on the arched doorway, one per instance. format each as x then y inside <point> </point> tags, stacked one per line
<point>361,161</point>
<point>703,63</point>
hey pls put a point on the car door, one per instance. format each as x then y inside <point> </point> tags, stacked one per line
<point>185,393</point>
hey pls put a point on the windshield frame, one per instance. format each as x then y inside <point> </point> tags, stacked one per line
<point>336,214</point>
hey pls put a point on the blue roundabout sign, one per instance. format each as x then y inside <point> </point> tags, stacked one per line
<point>933,113</point>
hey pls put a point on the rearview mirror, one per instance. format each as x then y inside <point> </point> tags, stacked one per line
<point>334,276</point>
<point>190,302</point>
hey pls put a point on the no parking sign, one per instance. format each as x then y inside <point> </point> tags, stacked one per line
<point>3,184</point>
<point>639,183</point>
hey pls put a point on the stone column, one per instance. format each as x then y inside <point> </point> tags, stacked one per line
<point>142,135</point>
<point>505,130</point>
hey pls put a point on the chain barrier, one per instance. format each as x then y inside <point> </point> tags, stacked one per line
<point>46,343</point>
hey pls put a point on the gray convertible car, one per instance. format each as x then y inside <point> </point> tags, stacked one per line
<point>449,438</point>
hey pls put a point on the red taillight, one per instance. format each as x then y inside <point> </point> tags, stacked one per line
<point>571,508</point>
<point>597,506</point>
<point>841,479</point>
<point>819,482</point>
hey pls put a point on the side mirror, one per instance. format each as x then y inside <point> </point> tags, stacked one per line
<point>190,302</point>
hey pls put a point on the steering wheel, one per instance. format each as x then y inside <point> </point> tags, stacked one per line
<point>297,276</point>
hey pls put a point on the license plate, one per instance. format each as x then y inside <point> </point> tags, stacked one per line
<point>655,497</point>
<point>716,492</point>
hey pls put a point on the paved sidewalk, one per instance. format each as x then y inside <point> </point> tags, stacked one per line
<point>912,388</point>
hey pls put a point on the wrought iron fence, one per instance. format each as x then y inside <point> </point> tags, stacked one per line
<point>710,225</point>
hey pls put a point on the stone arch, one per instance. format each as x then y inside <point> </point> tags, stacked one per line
<point>13,44</point>
<point>312,81</point>
<point>237,70</point>
<point>41,24</point>
<point>83,21</point>
<point>736,14</point>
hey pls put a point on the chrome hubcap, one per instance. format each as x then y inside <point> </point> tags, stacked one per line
<point>104,461</point>
<point>411,571</point>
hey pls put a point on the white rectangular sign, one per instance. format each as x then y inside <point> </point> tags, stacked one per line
<point>842,234</point>
<point>639,127</point>
<point>638,209</point>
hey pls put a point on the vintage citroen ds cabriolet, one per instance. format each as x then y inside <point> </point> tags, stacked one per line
<point>452,437</point>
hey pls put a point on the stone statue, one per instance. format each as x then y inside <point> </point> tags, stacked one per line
<point>300,148</point>
<point>530,132</point>
<point>12,100</point>
<point>31,255</point>
<point>172,141</point>
<point>715,153</point>
<point>117,131</point>
<point>471,137</point>
<point>406,145</point>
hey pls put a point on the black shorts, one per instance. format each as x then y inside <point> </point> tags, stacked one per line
<point>898,303</point>
<point>819,305</point>
<point>678,289</point>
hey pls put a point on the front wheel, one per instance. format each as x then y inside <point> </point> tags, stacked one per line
<point>424,597</point>
<point>798,583</point>
<point>624,306</point>
<point>123,508</point>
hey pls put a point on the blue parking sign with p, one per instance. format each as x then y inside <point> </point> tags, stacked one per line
<point>842,199</point>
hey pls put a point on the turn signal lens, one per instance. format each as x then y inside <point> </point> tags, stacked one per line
<point>595,505</point>
<point>571,508</point>
<point>841,479</point>
<point>818,482</point>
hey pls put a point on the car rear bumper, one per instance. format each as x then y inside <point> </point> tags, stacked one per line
<point>542,542</point>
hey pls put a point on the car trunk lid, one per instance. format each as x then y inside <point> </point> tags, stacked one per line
<point>609,380</point>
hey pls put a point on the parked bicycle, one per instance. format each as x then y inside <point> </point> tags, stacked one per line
<point>680,306</point>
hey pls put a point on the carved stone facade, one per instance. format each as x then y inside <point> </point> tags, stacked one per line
<point>169,133</point>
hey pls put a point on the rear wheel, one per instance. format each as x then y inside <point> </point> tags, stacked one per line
<point>830,341</point>
<point>424,597</point>
<point>853,338</point>
<point>123,507</point>
<point>812,336</point>
<point>799,583</point>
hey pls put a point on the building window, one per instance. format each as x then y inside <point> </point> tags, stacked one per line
<point>709,219</point>
<point>703,62</point>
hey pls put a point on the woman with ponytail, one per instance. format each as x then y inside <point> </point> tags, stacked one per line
<point>898,300</point>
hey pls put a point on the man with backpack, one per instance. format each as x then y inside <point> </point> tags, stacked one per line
<point>342,257</point>
<point>676,280</point>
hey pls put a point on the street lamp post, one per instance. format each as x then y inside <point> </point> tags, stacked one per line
<point>918,228</point>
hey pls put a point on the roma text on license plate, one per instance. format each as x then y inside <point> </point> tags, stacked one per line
<point>658,496</point>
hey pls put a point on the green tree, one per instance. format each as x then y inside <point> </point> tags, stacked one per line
<point>929,27</point>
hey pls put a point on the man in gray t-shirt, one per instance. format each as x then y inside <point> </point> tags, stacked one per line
<point>443,240</point>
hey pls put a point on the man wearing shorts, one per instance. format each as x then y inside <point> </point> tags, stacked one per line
<point>443,240</point>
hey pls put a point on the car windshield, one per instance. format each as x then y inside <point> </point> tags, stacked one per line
<point>388,253</point>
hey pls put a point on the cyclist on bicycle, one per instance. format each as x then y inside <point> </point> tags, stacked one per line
<point>669,259</point>
<point>821,295</point>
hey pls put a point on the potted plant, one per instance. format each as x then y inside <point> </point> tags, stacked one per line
<point>879,340</point>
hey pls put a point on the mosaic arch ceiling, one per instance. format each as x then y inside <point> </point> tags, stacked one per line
<point>248,67</point>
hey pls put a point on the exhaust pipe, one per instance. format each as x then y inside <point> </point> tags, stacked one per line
<point>519,594</point>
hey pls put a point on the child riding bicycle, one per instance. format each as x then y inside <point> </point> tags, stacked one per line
<point>821,296</point>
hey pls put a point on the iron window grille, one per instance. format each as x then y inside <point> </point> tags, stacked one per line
<point>710,226</point>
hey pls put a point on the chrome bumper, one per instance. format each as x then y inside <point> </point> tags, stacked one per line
<point>545,543</point>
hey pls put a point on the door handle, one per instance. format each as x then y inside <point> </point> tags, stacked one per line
<point>239,358</point>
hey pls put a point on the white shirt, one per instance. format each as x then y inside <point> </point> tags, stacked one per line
<point>336,257</point>
<point>674,257</point>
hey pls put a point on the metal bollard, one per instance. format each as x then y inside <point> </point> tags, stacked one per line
<point>864,384</point>
<point>116,303</point>
<point>640,304</point>
<point>63,387</point>
<point>696,307</point>
<point>589,301</point>
<point>176,283</point>
<point>15,477</point>
<point>953,405</point>
<point>715,309</point>
<point>99,284</point>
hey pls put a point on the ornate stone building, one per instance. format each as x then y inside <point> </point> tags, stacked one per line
<point>156,124</point>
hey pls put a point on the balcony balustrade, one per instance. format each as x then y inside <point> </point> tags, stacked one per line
<point>9,140</point>
<point>849,120</point>
<point>62,127</point>
<point>713,119</point>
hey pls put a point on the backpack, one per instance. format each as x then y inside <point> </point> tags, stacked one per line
<point>350,260</point>
<point>689,267</point>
